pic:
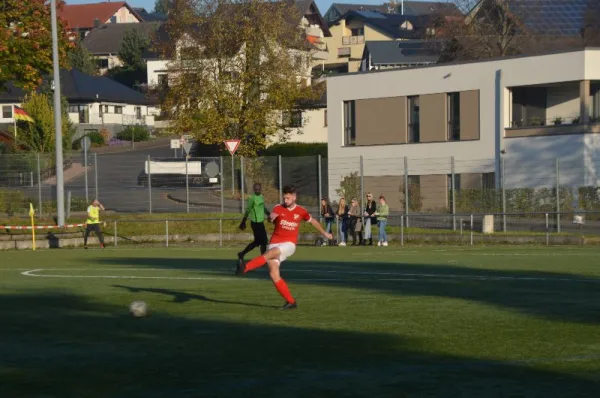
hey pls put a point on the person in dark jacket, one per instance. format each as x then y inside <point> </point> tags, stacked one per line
<point>370,218</point>
<point>328,215</point>
<point>342,217</point>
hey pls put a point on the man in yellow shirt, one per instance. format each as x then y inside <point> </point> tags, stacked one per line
<point>93,223</point>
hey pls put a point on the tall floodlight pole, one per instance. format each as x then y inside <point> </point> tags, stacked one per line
<point>60,188</point>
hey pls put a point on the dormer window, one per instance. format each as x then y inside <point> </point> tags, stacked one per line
<point>406,26</point>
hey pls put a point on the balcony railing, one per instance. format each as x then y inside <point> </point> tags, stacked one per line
<point>351,40</point>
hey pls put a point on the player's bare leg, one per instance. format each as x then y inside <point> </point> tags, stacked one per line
<point>280,285</point>
<point>258,262</point>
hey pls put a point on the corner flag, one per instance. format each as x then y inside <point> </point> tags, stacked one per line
<point>31,214</point>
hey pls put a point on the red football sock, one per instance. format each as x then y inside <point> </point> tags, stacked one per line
<point>283,289</point>
<point>255,263</point>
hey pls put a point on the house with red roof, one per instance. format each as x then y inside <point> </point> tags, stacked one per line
<point>83,18</point>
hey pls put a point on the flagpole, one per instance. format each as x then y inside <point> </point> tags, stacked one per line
<point>15,124</point>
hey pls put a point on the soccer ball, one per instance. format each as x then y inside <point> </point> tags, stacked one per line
<point>138,309</point>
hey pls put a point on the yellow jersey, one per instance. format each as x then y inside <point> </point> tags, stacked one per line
<point>93,215</point>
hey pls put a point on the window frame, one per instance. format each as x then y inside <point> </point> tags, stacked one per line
<point>118,110</point>
<point>414,128</point>
<point>453,116</point>
<point>4,111</point>
<point>349,123</point>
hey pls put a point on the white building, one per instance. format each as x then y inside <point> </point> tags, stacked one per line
<point>529,110</point>
<point>95,103</point>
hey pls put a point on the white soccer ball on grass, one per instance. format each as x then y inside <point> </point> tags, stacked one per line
<point>138,309</point>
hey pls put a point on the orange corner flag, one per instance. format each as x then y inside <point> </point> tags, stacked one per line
<point>20,114</point>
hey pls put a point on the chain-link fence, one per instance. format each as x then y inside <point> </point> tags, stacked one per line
<point>435,193</point>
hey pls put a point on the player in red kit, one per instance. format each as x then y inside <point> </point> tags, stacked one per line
<point>287,218</point>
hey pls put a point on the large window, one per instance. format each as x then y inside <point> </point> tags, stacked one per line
<point>7,112</point>
<point>119,110</point>
<point>292,119</point>
<point>413,119</point>
<point>488,181</point>
<point>82,110</point>
<point>595,112</point>
<point>349,123</point>
<point>453,116</point>
<point>163,80</point>
<point>344,52</point>
<point>358,31</point>
<point>325,119</point>
<point>102,63</point>
<point>138,112</point>
<point>528,106</point>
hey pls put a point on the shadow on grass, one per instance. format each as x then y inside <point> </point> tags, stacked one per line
<point>551,295</point>
<point>183,297</point>
<point>56,344</point>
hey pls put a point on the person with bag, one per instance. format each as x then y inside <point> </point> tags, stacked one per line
<point>355,222</point>
<point>370,218</point>
<point>342,216</point>
<point>382,213</point>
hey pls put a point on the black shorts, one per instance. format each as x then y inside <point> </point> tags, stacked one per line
<point>260,232</point>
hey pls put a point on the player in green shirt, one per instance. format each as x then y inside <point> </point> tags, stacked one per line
<point>256,211</point>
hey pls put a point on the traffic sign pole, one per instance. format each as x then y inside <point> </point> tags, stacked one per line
<point>232,146</point>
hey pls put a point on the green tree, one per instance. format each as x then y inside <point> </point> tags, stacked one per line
<point>81,59</point>
<point>132,48</point>
<point>26,42</point>
<point>133,71</point>
<point>162,6</point>
<point>38,135</point>
<point>243,65</point>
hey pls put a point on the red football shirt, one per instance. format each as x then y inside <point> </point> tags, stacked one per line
<point>287,223</point>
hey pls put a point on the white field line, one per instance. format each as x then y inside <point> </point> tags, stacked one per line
<point>370,276</point>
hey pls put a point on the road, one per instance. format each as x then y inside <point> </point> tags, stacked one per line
<point>118,186</point>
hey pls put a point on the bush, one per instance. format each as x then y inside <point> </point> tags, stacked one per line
<point>296,149</point>
<point>135,133</point>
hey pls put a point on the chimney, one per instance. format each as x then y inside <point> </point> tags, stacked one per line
<point>96,23</point>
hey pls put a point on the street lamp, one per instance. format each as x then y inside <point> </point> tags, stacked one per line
<point>60,188</point>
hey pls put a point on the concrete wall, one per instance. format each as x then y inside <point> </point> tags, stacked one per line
<point>154,68</point>
<point>492,79</point>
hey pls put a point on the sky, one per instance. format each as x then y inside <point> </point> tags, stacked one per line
<point>149,4</point>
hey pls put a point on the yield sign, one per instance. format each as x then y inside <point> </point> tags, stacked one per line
<point>232,145</point>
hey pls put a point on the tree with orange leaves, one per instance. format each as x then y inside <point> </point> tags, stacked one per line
<point>26,42</point>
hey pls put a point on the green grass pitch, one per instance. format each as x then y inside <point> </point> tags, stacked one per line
<point>372,322</point>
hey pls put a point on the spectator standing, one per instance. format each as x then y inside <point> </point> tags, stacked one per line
<point>383,211</point>
<point>328,216</point>
<point>342,216</point>
<point>370,218</point>
<point>355,222</point>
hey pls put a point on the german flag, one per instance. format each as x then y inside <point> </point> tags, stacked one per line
<point>20,114</point>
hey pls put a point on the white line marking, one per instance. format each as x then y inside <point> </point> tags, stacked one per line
<point>371,276</point>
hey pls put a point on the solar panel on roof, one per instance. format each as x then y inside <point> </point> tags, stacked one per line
<point>371,14</point>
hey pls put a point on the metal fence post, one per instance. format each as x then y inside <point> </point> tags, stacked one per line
<point>401,230</point>
<point>547,228</point>
<point>557,195</point>
<point>320,187</point>
<point>167,233</point>
<point>116,237</point>
<point>149,187</point>
<point>85,168</point>
<point>471,229</point>
<point>362,185</point>
<point>68,204</point>
<point>279,167</point>
<point>220,232</point>
<point>39,176</point>
<point>96,174</point>
<point>222,187</point>
<point>453,188</point>
<point>187,186</point>
<point>406,199</point>
<point>503,183</point>
<point>242,187</point>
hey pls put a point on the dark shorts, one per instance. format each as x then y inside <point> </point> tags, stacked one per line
<point>260,232</point>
